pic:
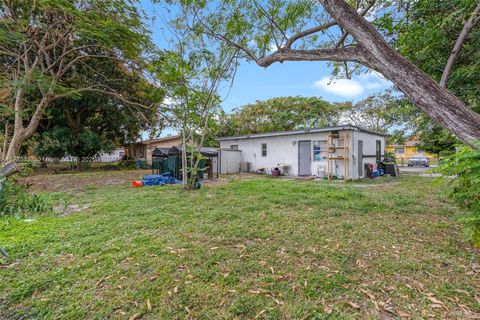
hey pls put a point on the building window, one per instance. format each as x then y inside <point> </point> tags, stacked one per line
<point>399,150</point>
<point>319,150</point>
<point>234,147</point>
<point>264,149</point>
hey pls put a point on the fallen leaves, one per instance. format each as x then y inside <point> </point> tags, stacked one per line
<point>258,315</point>
<point>353,305</point>
<point>134,317</point>
<point>149,305</point>
<point>385,305</point>
<point>327,309</point>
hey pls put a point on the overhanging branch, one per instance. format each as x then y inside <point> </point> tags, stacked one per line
<point>354,54</point>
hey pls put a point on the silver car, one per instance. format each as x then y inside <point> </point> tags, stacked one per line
<point>418,160</point>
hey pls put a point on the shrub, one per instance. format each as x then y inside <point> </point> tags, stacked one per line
<point>16,201</point>
<point>28,167</point>
<point>127,164</point>
<point>464,187</point>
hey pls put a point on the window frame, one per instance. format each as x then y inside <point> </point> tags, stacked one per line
<point>263,150</point>
<point>322,152</point>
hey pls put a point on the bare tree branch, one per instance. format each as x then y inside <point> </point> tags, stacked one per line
<point>354,54</point>
<point>308,32</point>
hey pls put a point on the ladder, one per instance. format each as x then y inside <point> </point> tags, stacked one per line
<point>335,153</point>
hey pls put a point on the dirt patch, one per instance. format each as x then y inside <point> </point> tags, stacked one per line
<point>70,182</point>
<point>69,209</point>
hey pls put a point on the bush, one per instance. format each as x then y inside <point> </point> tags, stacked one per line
<point>127,164</point>
<point>464,188</point>
<point>16,201</point>
<point>28,167</point>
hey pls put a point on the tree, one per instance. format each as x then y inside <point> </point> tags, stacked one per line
<point>191,79</point>
<point>82,147</point>
<point>94,123</point>
<point>43,44</point>
<point>386,113</point>
<point>446,47</point>
<point>280,114</point>
<point>52,144</point>
<point>302,31</point>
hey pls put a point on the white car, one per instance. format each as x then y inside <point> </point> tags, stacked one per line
<point>418,160</point>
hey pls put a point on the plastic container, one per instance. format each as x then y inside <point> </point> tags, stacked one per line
<point>137,183</point>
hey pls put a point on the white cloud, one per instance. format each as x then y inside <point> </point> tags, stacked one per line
<point>339,87</point>
<point>352,87</point>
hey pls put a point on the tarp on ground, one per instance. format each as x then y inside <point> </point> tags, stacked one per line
<point>160,179</point>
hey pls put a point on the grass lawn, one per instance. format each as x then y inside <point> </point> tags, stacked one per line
<point>241,249</point>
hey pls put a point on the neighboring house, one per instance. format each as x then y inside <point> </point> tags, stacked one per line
<point>404,151</point>
<point>143,149</point>
<point>307,152</point>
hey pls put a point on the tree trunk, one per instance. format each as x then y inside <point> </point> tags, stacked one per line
<point>184,159</point>
<point>422,90</point>
<point>5,141</point>
<point>15,145</point>
<point>21,133</point>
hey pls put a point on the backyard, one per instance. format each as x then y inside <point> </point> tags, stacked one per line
<point>239,248</point>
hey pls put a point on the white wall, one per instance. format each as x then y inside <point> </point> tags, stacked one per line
<point>283,150</point>
<point>369,149</point>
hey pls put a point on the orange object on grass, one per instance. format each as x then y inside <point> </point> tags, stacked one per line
<point>137,183</point>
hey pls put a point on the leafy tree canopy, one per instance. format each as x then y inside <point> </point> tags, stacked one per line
<point>279,114</point>
<point>426,36</point>
<point>55,50</point>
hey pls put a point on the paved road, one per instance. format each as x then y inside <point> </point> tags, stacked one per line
<point>416,170</point>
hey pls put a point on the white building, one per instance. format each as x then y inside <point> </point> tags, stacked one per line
<point>306,152</point>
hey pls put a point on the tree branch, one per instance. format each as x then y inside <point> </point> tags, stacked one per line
<point>474,18</point>
<point>354,54</point>
<point>308,32</point>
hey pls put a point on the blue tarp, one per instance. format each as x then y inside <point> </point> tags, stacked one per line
<point>160,179</point>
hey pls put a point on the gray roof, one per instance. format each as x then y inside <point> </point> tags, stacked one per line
<point>301,131</point>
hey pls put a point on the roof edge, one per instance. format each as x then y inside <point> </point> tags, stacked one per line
<point>299,131</point>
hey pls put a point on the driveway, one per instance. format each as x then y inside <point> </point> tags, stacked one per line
<point>422,171</point>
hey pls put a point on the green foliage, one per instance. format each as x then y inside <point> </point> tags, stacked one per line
<point>427,35</point>
<point>52,144</point>
<point>384,113</point>
<point>16,201</point>
<point>436,140</point>
<point>463,172</point>
<point>86,64</point>
<point>280,114</point>
<point>28,167</point>
<point>83,146</point>
<point>127,164</point>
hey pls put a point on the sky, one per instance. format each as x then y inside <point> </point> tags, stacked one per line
<point>278,80</point>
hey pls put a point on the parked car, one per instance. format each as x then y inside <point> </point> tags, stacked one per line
<point>418,160</point>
